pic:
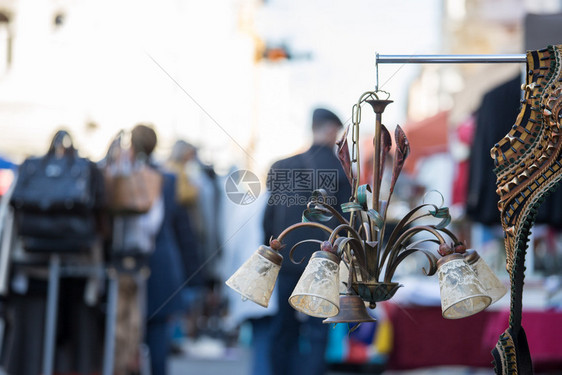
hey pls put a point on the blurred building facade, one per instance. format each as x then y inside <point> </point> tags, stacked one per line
<point>196,69</point>
<point>472,27</point>
<point>98,66</point>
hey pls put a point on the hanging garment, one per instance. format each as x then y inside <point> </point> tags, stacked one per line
<point>494,119</point>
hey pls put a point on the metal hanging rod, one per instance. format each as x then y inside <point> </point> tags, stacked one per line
<point>446,59</point>
<point>449,59</point>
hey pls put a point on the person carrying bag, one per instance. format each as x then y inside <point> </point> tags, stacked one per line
<point>133,199</point>
<point>135,206</point>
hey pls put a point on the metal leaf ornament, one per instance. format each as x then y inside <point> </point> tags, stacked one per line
<point>402,152</point>
<point>343,155</point>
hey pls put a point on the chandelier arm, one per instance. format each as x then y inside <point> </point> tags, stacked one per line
<point>303,225</point>
<point>417,229</point>
<point>391,269</point>
<point>345,245</point>
<point>297,245</point>
<point>398,244</point>
<point>360,256</point>
<point>406,220</point>
<point>335,212</point>
<point>358,251</point>
<point>415,244</point>
<point>409,219</point>
<point>352,219</point>
<point>356,218</point>
<point>366,228</point>
<point>340,227</point>
<point>456,241</point>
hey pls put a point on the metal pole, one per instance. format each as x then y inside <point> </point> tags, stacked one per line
<point>450,59</point>
<point>445,59</point>
<point>110,323</point>
<point>7,235</point>
<point>51,319</point>
<point>377,161</point>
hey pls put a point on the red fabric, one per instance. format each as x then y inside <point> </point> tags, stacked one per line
<point>357,352</point>
<point>423,338</point>
<point>426,137</point>
<point>543,330</point>
<point>465,131</point>
<point>460,183</point>
<point>464,134</point>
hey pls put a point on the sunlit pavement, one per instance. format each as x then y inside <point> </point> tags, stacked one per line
<point>233,362</point>
<point>236,362</point>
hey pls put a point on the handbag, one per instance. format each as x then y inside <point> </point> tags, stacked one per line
<point>132,186</point>
<point>55,183</point>
<point>55,197</point>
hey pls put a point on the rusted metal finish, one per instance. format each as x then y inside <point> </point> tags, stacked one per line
<point>352,310</point>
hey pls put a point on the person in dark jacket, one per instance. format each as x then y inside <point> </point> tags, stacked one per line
<point>294,343</point>
<point>167,274</point>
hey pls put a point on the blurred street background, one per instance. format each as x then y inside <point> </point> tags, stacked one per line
<point>230,85</point>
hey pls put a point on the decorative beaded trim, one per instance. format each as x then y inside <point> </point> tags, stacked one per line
<point>527,157</point>
<point>508,357</point>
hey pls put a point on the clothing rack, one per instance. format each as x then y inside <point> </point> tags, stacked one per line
<point>445,59</point>
<point>459,59</point>
<point>58,267</point>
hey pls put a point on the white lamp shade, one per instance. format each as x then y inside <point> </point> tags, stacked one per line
<point>256,278</point>
<point>462,294</point>
<point>317,292</point>
<point>492,285</point>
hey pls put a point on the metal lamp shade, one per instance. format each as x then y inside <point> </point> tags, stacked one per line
<point>462,294</point>
<point>256,278</point>
<point>352,310</point>
<point>492,285</point>
<point>317,292</point>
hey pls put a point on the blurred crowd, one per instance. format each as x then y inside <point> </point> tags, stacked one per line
<point>149,227</point>
<point>112,266</point>
<point>132,251</point>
